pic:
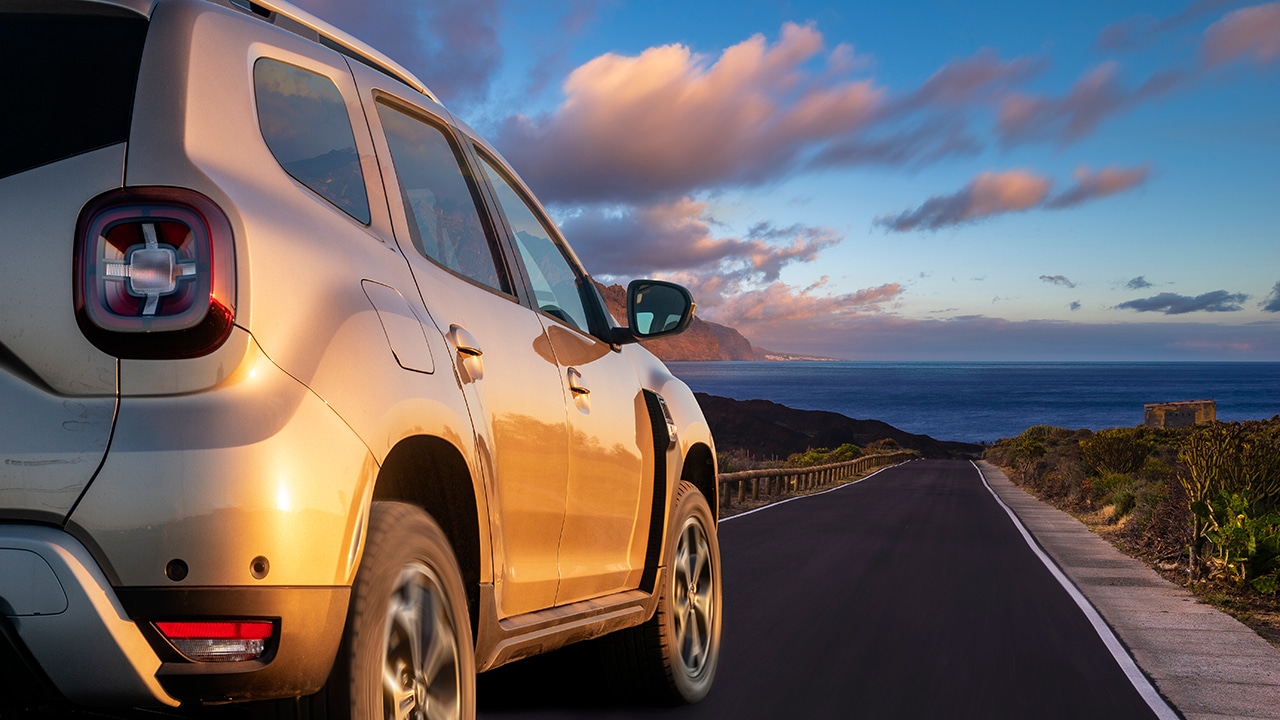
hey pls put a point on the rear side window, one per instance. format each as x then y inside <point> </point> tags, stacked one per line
<point>68,84</point>
<point>440,199</point>
<point>305,123</point>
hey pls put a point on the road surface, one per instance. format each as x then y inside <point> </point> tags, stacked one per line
<point>908,595</point>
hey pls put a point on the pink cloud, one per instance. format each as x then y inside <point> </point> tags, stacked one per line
<point>884,336</point>
<point>1096,96</point>
<point>1251,33</point>
<point>669,121</point>
<point>986,195</point>
<point>1136,32</point>
<point>677,236</point>
<point>993,193</point>
<point>1090,185</point>
<point>451,45</point>
<point>781,303</point>
<point>980,78</point>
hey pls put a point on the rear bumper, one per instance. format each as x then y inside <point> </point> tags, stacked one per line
<point>97,645</point>
<point>72,623</point>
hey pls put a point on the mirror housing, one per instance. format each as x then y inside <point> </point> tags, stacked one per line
<point>655,309</point>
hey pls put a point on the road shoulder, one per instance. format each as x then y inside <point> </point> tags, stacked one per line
<point>1204,662</point>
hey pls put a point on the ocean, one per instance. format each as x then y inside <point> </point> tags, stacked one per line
<point>983,402</point>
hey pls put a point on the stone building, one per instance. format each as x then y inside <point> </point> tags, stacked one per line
<point>1179,414</point>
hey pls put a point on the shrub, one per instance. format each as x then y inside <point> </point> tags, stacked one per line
<point>823,456</point>
<point>1247,544</point>
<point>1223,461</point>
<point>1119,451</point>
<point>1124,502</point>
<point>883,445</point>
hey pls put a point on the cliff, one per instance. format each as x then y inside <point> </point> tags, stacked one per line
<point>702,341</point>
<point>768,430</point>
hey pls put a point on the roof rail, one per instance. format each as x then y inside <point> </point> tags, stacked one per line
<point>336,39</point>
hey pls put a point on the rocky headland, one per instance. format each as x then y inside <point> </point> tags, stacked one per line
<point>765,429</point>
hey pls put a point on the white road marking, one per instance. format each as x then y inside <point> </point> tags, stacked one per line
<point>1130,668</point>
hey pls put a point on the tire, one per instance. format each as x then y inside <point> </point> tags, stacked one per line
<point>407,650</point>
<point>672,658</point>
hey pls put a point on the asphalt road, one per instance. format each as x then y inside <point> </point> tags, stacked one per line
<point>908,595</point>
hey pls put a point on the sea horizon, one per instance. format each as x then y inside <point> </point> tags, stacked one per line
<point>985,400</point>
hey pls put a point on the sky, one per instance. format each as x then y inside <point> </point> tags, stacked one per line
<point>911,180</point>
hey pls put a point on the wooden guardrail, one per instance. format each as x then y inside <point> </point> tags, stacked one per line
<point>772,482</point>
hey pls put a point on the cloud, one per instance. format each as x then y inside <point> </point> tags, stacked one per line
<point>1057,280</point>
<point>1250,33</point>
<point>961,83</point>
<point>629,126</point>
<point>1272,302</point>
<point>451,45</point>
<point>1137,32</point>
<point>1075,305</point>
<point>994,193</point>
<point>912,145</point>
<point>1075,115</point>
<point>1090,185</point>
<point>555,48</point>
<point>676,236</point>
<point>888,337</point>
<point>778,303</point>
<point>1138,283</point>
<point>1173,304</point>
<point>988,194</point>
<point>758,112</point>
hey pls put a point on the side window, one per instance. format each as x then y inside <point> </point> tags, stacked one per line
<point>444,219</point>
<point>306,126</point>
<point>556,285</point>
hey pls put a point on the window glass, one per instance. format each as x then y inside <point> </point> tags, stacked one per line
<point>69,83</point>
<point>556,285</point>
<point>444,219</point>
<point>305,123</point>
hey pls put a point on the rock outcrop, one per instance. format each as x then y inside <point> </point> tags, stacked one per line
<point>766,430</point>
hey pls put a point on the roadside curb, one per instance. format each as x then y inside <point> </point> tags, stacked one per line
<point>1204,662</point>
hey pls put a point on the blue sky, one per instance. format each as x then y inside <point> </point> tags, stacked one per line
<point>897,181</point>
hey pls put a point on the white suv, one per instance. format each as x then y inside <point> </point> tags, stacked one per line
<point>302,395</point>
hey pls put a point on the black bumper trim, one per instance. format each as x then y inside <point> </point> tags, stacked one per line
<point>309,622</point>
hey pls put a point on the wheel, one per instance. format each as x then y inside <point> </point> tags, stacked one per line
<point>407,652</point>
<point>672,658</point>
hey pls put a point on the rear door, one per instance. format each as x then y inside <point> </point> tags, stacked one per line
<point>502,354</point>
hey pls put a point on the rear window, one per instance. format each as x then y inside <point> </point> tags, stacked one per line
<point>305,123</point>
<point>68,85</point>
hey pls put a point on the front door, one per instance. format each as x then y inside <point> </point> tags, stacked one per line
<point>610,487</point>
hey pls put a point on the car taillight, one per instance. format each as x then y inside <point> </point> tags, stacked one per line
<point>154,273</point>
<point>218,641</point>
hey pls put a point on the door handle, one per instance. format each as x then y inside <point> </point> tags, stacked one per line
<point>464,342</point>
<point>468,353</point>
<point>575,383</point>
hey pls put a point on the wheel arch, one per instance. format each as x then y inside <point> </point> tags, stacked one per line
<point>431,473</point>
<point>699,469</point>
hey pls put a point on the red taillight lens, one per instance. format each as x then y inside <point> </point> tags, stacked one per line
<point>217,641</point>
<point>155,273</point>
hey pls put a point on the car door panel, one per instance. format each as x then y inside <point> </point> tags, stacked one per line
<point>513,392</point>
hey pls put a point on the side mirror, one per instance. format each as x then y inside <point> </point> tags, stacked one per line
<point>656,308</point>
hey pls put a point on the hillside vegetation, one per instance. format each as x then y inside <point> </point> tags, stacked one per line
<point>1204,500</point>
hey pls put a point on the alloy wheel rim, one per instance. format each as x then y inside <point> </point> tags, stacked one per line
<point>420,679</point>
<point>694,598</point>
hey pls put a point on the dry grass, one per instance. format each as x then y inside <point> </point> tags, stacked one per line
<point>1261,613</point>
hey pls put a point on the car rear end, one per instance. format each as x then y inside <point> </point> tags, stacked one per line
<point>180,517</point>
